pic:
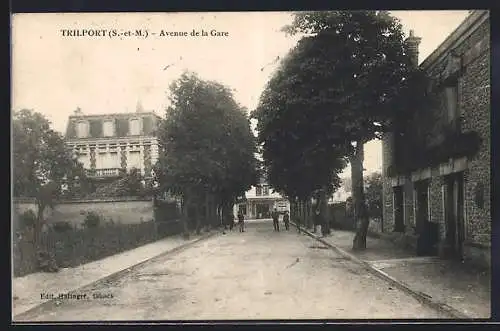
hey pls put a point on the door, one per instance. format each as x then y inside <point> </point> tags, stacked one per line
<point>422,205</point>
<point>454,213</point>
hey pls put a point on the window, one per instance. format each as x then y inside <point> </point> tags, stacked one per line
<point>85,160</point>
<point>134,126</point>
<point>100,160</point>
<point>108,128</point>
<point>398,205</point>
<point>134,160</point>
<point>114,161</point>
<point>258,190</point>
<point>452,109</point>
<point>82,130</point>
<point>265,190</point>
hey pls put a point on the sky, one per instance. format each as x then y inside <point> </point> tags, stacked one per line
<point>53,73</point>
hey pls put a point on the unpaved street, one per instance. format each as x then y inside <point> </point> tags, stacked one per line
<point>259,274</point>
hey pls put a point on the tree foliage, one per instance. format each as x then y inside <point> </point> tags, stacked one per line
<point>40,156</point>
<point>363,75</point>
<point>41,162</point>
<point>290,125</point>
<point>207,144</point>
<point>348,79</point>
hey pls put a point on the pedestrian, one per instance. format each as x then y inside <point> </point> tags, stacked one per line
<point>275,215</point>
<point>286,220</point>
<point>317,221</point>
<point>241,221</point>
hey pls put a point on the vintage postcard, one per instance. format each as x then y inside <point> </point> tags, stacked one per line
<point>210,166</point>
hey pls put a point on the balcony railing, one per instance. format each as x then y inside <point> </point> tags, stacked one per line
<point>105,172</point>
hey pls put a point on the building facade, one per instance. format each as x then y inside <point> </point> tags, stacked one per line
<point>437,175</point>
<point>109,144</point>
<point>260,201</point>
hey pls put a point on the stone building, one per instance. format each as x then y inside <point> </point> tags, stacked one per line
<point>436,174</point>
<point>109,144</point>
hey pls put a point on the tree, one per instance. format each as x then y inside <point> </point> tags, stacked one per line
<point>41,162</point>
<point>373,194</point>
<point>356,69</point>
<point>290,125</point>
<point>208,148</point>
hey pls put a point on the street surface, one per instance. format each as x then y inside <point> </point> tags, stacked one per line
<point>258,274</point>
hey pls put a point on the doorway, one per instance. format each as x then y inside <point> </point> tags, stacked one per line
<point>427,231</point>
<point>263,210</point>
<point>399,222</point>
<point>421,205</point>
<point>454,214</point>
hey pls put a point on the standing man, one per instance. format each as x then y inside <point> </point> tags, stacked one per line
<point>241,221</point>
<point>275,215</point>
<point>286,220</point>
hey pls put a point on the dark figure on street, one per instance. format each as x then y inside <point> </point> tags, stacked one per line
<point>228,220</point>
<point>275,215</point>
<point>286,220</point>
<point>241,221</point>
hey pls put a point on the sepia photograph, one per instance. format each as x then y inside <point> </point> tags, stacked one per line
<point>251,166</point>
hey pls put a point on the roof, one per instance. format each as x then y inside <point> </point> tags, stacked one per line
<point>150,122</point>
<point>114,115</point>
<point>464,30</point>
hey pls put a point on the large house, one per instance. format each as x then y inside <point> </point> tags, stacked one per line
<point>109,144</point>
<point>260,201</point>
<point>436,176</point>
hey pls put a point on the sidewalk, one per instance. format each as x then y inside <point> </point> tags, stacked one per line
<point>450,283</point>
<point>26,290</point>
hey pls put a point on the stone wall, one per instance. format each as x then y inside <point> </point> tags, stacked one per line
<point>123,210</point>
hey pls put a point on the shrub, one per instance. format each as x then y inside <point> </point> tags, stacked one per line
<point>92,220</point>
<point>27,219</point>
<point>62,226</point>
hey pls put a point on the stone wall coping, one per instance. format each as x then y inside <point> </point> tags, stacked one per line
<point>96,200</point>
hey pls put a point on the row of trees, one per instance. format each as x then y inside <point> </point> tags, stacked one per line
<point>347,81</point>
<point>207,156</point>
<point>208,150</point>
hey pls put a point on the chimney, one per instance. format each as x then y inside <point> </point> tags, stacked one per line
<point>139,108</point>
<point>412,44</point>
<point>78,112</point>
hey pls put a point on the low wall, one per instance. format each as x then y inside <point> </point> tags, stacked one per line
<point>121,210</point>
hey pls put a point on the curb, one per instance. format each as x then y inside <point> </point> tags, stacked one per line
<point>116,275</point>
<point>420,296</point>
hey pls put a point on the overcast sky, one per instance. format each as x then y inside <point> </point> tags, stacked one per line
<point>53,74</point>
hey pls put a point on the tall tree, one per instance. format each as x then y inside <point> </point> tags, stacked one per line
<point>290,127</point>
<point>208,147</point>
<point>41,162</point>
<point>356,69</point>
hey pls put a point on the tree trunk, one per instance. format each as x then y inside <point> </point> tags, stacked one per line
<point>199,217</point>
<point>37,227</point>
<point>185,217</point>
<point>310,215</point>
<point>301,213</point>
<point>325,219</point>
<point>207,211</point>
<point>358,197</point>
